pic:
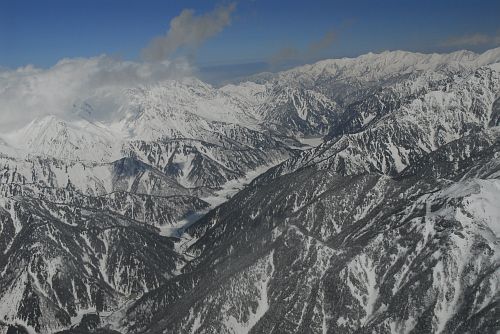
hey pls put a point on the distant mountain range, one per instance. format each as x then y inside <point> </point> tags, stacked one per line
<point>355,195</point>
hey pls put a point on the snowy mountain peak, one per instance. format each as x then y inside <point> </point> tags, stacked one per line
<point>377,66</point>
<point>78,139</point>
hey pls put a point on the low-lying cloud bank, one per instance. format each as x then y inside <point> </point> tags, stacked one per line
<point>29,92</point>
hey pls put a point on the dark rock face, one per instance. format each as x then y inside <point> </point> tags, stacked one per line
<point>65,258</point>
<point>346,253</point>
<point>296,110</point>
<point>90,324</point>
<point>206,165</point>
<point>16,330</point>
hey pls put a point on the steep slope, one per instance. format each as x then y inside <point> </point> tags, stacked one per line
<point>392,228</point>
<point>180,109</point>
<point>316,251</point>
<point>411,128</point>
<point>79,238</point>
<point>60,260</point>
<point>85,205</point>
<point>288,110</point>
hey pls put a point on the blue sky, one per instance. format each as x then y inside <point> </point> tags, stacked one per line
<point>43,32</point>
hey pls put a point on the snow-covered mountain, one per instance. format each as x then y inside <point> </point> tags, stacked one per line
<point>389,228</point>
<point>390,225</point>
<point>78,140</point>
<point>88,208</point>
<point>384,66</point>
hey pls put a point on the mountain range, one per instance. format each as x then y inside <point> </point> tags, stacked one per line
<point>354,195</point>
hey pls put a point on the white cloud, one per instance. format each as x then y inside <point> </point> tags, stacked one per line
<point>188,31</point>
<point>29,92</point>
